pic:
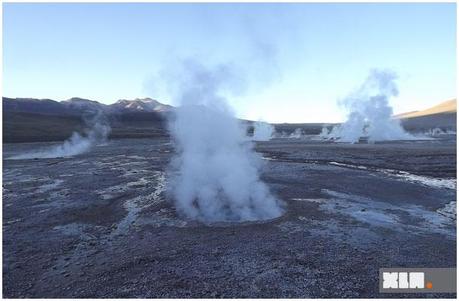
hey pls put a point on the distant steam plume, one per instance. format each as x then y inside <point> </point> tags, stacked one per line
<point>97,131</point>
<point>216,173</point>
<point>370,114</point>
<point>297,133</point>
<point>262,131</point>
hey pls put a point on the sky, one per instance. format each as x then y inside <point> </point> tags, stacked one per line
<point>298,60</point>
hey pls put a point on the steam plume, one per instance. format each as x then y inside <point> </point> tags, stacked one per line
<point>370,114</point>
<point>216,172</point>
<point>96,132</point>
<point>262,131</point>
<point>297,133</point>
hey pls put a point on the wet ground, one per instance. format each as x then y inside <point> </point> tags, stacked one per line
<point>101,225</point>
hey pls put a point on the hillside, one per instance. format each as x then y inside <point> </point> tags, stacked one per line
<point>36,120</point>
<point>33,120</point>
<point>76,106</point>
<point>442,116</point>
<point>449,106</point>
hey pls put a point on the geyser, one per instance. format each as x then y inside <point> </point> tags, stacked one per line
<point>97,131</point>
<point>369,112</point>
<point>215,175</point>
<point>262,131</point>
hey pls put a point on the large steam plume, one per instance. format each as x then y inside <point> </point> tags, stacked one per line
<point>96,131</point>
<point>216,173</point>
<point>369,112</point>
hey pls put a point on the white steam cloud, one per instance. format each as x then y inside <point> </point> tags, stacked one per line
<point>96,132</point>
<point>216,172</point>
<point>262,131</point>
<point>297,133</point>
<point>370,114</point>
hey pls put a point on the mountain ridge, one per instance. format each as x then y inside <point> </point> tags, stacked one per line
<point>448,106</point>
<point>33,120</point>
<point>148,104</point>
<point>77,105</point>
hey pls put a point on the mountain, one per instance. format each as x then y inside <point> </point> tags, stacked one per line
<point>29,119</point>
<point>143,105</point>
<point>33,105</point>
<point>76,106</point>
<point>33,120</point>
<point>442,116</point>
<point>449,106</point>
<point>80,105</point>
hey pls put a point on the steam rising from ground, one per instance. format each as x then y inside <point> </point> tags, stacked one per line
<point>297,133</point>
<point>262,131</point>
<point>96,132</point>
<point>435,132</point>
<point>216,173</point>
<point>370,114</point>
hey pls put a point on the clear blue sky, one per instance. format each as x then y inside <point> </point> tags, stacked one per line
<point>301,57</point>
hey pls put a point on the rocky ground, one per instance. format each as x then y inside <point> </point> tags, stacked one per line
<point>101,224</point>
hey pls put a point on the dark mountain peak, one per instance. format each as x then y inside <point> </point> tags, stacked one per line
<point>83,105</point>
<point>81,100</point>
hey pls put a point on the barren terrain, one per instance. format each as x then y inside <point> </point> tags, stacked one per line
<point>102,225</point>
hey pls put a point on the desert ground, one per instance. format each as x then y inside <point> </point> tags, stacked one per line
<point>101,224</point>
